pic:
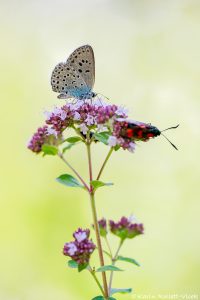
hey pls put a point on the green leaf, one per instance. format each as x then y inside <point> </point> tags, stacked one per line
<point>128,259</point>
<point>69,146</point>
<point>102,137</point>
<point>69,180</point>
<point>49,149</point>
<point>102,298</point>
<point>117,147</point>
<point>121,291</point>
<point>73,139</point>
<point>72,264</point>
<point>97,184</point>
<point>108,268</point>
<point>82,267</point>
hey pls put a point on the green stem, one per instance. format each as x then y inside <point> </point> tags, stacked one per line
<point>73,170</point>
<point>100,250</point>
<point>105,161</point>
<point>78,132</point>
<point>89,162</point>
<point>113,263</point>
<point>97,281</point>
<point>108,245</point>
<point>95,221</point>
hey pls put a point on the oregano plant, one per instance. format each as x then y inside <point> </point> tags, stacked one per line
<point>93,121</point>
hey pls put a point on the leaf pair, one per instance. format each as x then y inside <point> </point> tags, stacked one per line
<point>102,298</point>
<point>122,258</point>
<point>108,268</point>
<point>74,265</point>
<point>71,181</point>
<point>53,150</point>
<point>114,291</point>
<point>71,142</point>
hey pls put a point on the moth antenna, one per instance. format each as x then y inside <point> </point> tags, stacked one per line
<point>169,140</point>
<point>173,127</point>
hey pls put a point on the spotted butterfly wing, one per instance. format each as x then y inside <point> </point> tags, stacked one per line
<point>75,78</point>
<point>82,59</point>
<point>68,82</point>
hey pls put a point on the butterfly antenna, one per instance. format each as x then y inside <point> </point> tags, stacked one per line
<point>103,96</point>
<point>169,141</point>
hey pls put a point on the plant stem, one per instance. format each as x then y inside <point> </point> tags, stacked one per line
<point>75,172</point>
<point>105,161</point>
<point>96,279</point>
<point>95,221</point>
<point>100,250</point>
<point>113,263</point>
<point>108,245</point>
<point>90,163</point>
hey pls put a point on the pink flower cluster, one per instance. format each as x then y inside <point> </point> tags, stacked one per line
<point>94,116</point>
<point>125,228</point>
<point>81,248</point>
<point>38,140</point>
<point>102,227</point>
<point>60,118</point>
<point>84,114</point>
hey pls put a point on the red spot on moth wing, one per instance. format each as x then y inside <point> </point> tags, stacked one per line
<point>149,135</point>
<point>129,133</point>
<point>140,133</point>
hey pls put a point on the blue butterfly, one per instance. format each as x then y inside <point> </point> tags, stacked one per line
<point>75,78</point>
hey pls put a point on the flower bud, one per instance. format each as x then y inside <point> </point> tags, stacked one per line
<point>103,227</point>
<point>125,228</point>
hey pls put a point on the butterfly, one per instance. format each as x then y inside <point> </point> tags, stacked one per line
<point>75,78</point>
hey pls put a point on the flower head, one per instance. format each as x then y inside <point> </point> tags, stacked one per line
<point>90,117</point>
<point>112,141</point>
<point>81,248</point>
<point>81,235</point>
<point>102,227</point>
<point>83,114</point>
<point>44,135</point>
<point>60,118</point>
<point>124,228</point>
<point>38,139</point>
<point>122,111</point>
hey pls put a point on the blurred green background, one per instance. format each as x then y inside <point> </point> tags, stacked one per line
<point>148,59</point>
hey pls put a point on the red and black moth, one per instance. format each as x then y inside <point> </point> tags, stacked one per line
<point>139,131</point>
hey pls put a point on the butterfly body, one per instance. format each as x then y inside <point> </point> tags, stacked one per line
<point>75,78</point>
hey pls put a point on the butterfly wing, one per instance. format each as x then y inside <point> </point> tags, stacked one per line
<point>82,60</point>
<point>67,81</point>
